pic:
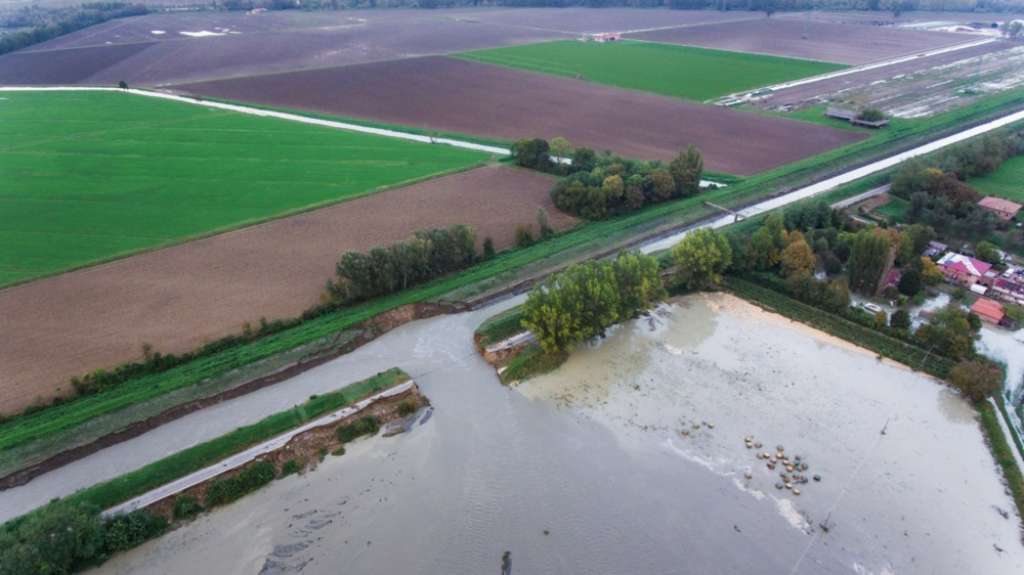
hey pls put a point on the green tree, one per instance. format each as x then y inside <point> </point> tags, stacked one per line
<point>910,282</point>
<point>900,320</point>
<point>573,306</point>
<point>948,333</point>
<point>662,186</point>
<point>701,258</point>
<point>534,154</point>
<point>57,539</point>
<point>869,256</point>
<point>488,248</point>
<point>583,160</point>
<point>638,282</point>
<point>560,147</point>
<point>987,251</point>
<point>797,258</point>
<point>976,379</point>
<point>687,169</point>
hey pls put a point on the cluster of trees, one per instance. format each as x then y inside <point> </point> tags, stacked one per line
<point>951,332</point>
<point>597,187</point>
<point>35,24</point>
<point>701,258</point>
<point>428,254</point>
<point>583,301</point>
<point>64,538</point>
<point>937,190</point>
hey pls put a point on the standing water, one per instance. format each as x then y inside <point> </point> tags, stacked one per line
<point>631,459</point>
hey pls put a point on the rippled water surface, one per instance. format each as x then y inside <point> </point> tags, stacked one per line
<point>631,459</point>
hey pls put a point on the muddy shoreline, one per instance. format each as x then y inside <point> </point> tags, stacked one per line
<point>369,330</point>
<point>304,448</point>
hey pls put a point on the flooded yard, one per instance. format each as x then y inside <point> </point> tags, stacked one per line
<point>631,459</point>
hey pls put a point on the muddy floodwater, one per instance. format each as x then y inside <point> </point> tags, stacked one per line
<point>631,459</point>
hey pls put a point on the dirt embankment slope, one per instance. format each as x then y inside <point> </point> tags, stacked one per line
<point>180,297</point>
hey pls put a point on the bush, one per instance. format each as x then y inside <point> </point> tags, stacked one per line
<point>58,538</point>
<point>534,154</point>
<point>339,451</point>
<point>368,425</point>
<point>488,248</point>
<point>524,237</point>
<point>186,507</point>
<point>290,467</point>
<point>871,115</point>
<point>407,408</point>
<point>124,532</point>
<point>977,379</point>
<point>251,478</point>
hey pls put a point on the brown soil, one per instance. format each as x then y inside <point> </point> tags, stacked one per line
<point>64,66</point>
<point>180,297</point>
<point>304,448</point>
<point>829,42</point>
<point>491,101</point>
<point>256,44</point>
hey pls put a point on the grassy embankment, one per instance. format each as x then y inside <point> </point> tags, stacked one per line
<point>665,69</point>
<point>127,173</point>
<point>583,242</point>
<point>109,493</point>
<point>529,361</point>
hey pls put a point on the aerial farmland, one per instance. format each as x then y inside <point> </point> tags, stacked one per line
<point>291,286</point>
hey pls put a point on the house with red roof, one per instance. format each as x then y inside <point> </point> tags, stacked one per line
<point>988,310</point>
<point>962,269</point>
<point>1002,208</point>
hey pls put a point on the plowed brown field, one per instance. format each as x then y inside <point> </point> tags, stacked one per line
<point>826,41</point>
<point>177,298</point>
<point>440,93</point>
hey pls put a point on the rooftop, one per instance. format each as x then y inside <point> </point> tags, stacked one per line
<point>964,264</point>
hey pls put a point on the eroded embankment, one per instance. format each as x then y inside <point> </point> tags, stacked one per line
<point>81,444</point>
<point>308,448</point>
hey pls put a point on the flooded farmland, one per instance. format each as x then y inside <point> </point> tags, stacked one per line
<point>631,459</point>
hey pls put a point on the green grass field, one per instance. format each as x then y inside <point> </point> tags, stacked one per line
<point>89,176</point>
<point>1006,182</point>
<point>679,71</point>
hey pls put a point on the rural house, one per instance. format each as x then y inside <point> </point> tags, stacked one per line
<point>1003,209</point>
<point>988,310</point>
<point>962,269</point>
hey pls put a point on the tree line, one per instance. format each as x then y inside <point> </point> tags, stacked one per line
<point>597,186</point>
<point>428,254</point>
<point>583,301</point>
<point>33,24</point>
<point>937,187</point>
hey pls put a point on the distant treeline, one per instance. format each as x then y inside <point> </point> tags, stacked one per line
<point>32,24</point>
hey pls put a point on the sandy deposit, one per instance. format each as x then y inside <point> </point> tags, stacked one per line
<point>180,297</point>
<point>579,485</point>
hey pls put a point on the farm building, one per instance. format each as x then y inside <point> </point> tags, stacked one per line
<point>1002,208</point>
<point>988,310</point>
<point>854,118</point>
<point>962,269</point>
<point>935,249</point>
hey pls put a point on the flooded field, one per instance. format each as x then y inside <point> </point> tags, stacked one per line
<point>587,470</point>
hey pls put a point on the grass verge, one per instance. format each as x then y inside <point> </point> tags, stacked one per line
<point>1001,453</point>
<point>135,483</point>
<point>530,362</point>
<point>499,327</point>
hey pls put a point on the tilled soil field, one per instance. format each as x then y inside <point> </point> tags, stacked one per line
<point>829,42</point>
<point>234,44</point>
<point>447,94</point>
<point>65,66</point>
<point>180,297</point>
